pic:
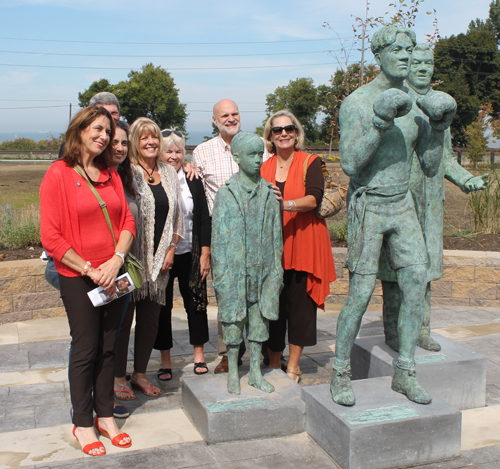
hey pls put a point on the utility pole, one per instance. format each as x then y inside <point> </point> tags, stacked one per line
<point>70,111</point>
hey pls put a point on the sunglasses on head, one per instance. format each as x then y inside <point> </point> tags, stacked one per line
<point>122,125</point>
<point>166,133</point>
<point>287,128</point>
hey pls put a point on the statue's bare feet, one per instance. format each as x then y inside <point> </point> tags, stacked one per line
<point>340,386</point>
<point>405,382</point>
<point>428,343</point>
<point>393,342</point>
<point>257,381</point>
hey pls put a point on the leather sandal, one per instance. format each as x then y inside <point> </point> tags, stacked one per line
<point>297,373</point>
<point>164,371</point>
<point>88,448</point>
<point>116,440</point>
<point>150,391</point>
<point>202,366</point>
<point>125,390</point>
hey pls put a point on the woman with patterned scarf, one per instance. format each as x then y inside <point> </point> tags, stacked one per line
<point>162,225</point>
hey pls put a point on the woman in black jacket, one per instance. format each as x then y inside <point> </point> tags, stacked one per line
<point>191,265</point>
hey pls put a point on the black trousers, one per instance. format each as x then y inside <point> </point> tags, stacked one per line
<point>298,309</point>
<point>123,340</point>
<point>197,320</point>
<point>146,327</point>
<point>92,360</point>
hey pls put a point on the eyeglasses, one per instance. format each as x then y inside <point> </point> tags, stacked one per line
<point>287,128</point>
<point>168,132</point>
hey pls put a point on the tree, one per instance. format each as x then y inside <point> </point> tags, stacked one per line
<point>491,24</point>
<point>19,144</point>
<point>96,87</point>
<point>467,67</point>
<point>342,84</point>
<point>150,93</point>
<point>475,135</point>
<point>301,98</point>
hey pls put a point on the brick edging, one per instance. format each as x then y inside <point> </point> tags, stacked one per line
<point>470,278</point>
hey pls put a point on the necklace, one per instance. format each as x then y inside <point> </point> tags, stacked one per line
<point>96,183</point>
<point>281,165</point>
<point>151,178</point>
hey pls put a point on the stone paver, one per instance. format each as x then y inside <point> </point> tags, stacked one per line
<point>34,361</point>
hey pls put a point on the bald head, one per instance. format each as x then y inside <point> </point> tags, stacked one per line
<point>227,119</point>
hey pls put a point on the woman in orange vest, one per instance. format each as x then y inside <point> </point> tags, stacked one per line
<point>307,254</point>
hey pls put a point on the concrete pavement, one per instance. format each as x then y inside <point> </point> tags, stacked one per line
<point>35,425</point>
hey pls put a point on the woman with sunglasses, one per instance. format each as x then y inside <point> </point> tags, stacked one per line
<point>307,254</point>
<point>159,232</point>
<point>75,233</point>
<point>191,264</point>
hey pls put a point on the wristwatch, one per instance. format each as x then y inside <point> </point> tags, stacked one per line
<point>174,245</point>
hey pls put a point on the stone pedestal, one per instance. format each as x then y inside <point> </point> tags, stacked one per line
<point>384,429</point>
<point>220,416</point>
<point>456,374</point>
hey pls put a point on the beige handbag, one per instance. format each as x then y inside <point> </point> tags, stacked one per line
<point>333,197</point>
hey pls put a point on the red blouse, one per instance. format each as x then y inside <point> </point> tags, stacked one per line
<point>72,218</point>
<point>306,245</point>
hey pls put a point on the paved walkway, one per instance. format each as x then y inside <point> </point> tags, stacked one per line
<point>35,425</point>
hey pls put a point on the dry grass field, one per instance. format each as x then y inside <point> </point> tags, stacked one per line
<point>20,184</point>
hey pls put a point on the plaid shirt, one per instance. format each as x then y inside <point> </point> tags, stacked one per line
<point>215,165</point>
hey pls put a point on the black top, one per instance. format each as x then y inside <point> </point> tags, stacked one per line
<point>202,232</point>
<point>315,181</point>
<point>161,211</point>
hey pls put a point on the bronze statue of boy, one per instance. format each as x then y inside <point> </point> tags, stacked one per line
<point>247,247</point>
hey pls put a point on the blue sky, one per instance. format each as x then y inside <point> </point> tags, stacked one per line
<point>32,30</point>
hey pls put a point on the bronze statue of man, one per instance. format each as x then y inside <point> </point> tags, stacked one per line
<point>381,127</point>
<point>428,195</point>
<point>247,247</point>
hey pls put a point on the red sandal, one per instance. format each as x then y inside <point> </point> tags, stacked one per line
<point>88,448</point>
<point>116,440</point>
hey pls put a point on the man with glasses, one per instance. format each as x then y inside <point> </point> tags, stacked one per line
<point>215,165</point>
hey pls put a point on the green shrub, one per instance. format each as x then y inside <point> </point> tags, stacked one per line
<point>338,230</point>
<point>19,228</point>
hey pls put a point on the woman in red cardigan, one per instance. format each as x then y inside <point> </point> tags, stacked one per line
<point>75,233</point>
<point>307,254</point>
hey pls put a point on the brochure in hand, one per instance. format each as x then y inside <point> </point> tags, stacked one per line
<point>124,285</point>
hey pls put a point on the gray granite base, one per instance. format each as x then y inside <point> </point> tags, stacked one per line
<point>383,429</point>
<point>456,374</point>
<point>220,416</point>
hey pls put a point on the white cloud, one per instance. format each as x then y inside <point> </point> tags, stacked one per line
<point>13,78</point>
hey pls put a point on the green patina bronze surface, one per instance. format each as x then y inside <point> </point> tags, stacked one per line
<point>381,128</point>
<point>431,359</point>
<point>428,195</point>
<point>247,247</point>
<point>383,414</point>
<point>242,404</point>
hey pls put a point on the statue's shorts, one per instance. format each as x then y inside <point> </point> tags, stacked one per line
<point>257,327</point>
<point>394,225</point>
